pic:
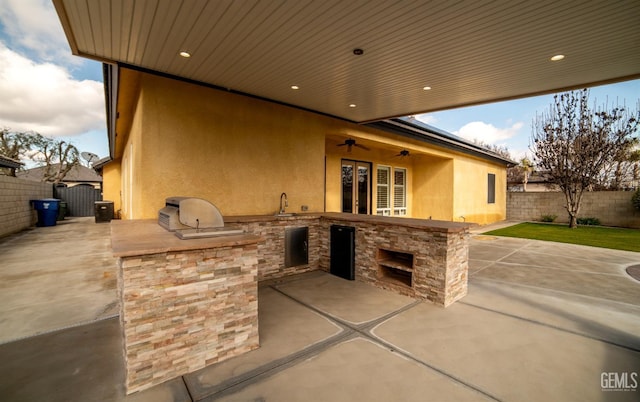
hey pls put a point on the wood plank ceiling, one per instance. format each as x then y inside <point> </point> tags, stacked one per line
<point>468,52</point>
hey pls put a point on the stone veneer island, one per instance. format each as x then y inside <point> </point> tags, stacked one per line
<point>187,304</point>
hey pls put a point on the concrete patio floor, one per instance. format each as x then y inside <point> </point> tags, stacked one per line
<point>542,321</point>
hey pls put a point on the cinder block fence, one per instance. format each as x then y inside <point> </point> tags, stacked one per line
<point>16,212</point>
<point>612,208</point>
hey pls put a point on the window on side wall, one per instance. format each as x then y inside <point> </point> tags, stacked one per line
<point>491,185</point>
<point>399,192</point>
<point>383,206</point>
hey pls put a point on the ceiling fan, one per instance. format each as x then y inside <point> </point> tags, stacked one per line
<point>352,143</point>
<point>403,153</point>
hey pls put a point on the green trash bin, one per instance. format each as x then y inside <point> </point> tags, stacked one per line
<point>62,210</point>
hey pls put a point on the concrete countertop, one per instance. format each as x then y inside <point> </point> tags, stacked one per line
<point>424,224</point>
<point>145,236</point>
<point>269,218</point>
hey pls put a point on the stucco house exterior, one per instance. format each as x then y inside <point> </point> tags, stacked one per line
<point>237,102</point>
<point>180,138</point>
<point>242,102</point>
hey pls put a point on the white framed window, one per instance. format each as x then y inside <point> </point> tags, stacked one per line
<point>399,191</point>
<point>383,206</point>
<point>392,191</point>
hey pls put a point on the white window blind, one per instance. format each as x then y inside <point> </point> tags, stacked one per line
<point>383,206</point>
<point>399,191</point>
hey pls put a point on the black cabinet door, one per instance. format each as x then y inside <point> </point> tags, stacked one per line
<point>343,251</point>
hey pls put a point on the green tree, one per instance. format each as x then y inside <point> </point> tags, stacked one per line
<point>574,144</point>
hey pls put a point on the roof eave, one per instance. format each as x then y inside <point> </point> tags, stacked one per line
<point>440,138</point>
<point>110,75</point>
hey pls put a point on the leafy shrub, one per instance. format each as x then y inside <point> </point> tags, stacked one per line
<point>635,200</point>
<point>589,221</point>
<point>548,218</point>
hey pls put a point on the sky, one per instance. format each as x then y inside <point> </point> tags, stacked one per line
<point>44,88</point>
<point>509,124</point>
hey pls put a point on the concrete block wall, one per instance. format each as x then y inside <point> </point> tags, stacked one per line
<point>612,208</point>
<point>16,212</point>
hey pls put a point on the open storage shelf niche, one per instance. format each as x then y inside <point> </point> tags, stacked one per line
<point>395,267</point>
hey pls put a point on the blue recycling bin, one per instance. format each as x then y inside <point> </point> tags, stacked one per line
<point>47,209</point>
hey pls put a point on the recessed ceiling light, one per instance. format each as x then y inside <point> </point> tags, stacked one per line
<point>352,105</point>
<point>557,57</point>
<point>185,54</point>
<point>426,88</point>
<point>295,87</point>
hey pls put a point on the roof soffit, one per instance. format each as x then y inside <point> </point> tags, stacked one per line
<point>468,52</point>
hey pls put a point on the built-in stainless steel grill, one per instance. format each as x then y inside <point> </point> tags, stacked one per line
<point>192,218</point>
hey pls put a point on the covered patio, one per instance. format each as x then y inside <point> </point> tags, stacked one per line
<point>542,321</point>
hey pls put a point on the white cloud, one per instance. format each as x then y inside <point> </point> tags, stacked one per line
<point>35,26</point>
<point>45,98</point>
<point>487,133</point>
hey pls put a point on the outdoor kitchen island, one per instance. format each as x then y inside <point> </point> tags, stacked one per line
<point>186,304</point>
<point>424,259</point>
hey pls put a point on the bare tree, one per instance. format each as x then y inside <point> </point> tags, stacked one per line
<point>574,144</point>
<point>58,157</point>
<point>16,145</point>
<point>622,174</point>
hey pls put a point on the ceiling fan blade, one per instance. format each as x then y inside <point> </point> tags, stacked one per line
<point>361,146</point>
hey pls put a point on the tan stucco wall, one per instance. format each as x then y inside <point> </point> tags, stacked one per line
<point>432,189</point>
<point>111,174</point>
<point>471,190</point>
<point>238,152</point>
<point>181,139</point>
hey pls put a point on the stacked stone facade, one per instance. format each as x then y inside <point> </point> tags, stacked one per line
<point>439,258</point>
<point>16,212</point>
<point>271,250</point>
<point>182,311</point>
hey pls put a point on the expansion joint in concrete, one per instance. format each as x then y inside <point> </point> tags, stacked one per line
<point>364,330</point>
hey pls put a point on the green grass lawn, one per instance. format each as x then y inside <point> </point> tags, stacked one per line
<point>597,236</point>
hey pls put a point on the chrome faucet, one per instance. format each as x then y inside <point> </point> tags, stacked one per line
<point>286,203</point>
